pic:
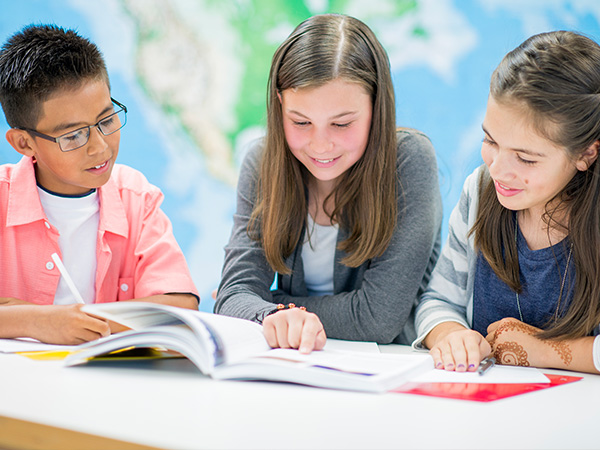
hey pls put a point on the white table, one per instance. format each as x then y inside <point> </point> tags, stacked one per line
<point>169,404</point>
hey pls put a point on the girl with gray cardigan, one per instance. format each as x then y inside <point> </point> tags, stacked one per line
<point>338,215</point>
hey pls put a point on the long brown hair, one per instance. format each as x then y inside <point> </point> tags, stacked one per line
<point>322,49</point>
<point>556,76</point>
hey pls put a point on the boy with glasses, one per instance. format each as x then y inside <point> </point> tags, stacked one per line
<point>74,226</point>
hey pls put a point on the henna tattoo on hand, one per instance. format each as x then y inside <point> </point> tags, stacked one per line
<point>511,325</point>
<point>563,350</point>
<point>511,353</point>
<point>560,347</point>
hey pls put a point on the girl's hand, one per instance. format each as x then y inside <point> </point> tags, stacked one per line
<point>514,343</point>
<point>66,324</point>
<point>456,347</point>
<point>294,328</point>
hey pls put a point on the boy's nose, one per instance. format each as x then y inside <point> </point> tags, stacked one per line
<point>97,141</point>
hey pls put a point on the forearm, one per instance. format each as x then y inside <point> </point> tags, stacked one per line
<point>17,320</point>
<point>576,355</point>
<point>244,305</point>
<point>362,315</point>
<point>187,301</point>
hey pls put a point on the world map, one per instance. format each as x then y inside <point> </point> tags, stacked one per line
<point>193,75</point>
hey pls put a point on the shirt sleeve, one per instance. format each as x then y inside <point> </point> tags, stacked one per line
<point>450,289</point>
<point>596,352</point>
<point>246,278</point>
<point>160,266</point>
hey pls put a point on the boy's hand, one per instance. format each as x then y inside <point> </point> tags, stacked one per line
<point>294,328</point>
<point>66,324</point>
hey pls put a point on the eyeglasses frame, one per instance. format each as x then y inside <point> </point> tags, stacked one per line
<point>89,127</point>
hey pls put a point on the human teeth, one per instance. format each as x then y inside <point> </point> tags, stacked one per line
<point>98,167</point>
<point>324,161</point>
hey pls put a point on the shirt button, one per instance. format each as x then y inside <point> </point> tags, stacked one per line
<point>124,287</point>
<point>49,265</point>
<point>47,224</point>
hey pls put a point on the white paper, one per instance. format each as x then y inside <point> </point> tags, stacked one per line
<point>29,345</point>
<point>497,374</point>
<point>352,346</point>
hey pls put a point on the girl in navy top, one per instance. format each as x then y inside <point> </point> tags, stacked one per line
<point>518,277</point>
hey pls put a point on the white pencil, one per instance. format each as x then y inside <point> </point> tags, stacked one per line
<point>63,271</point>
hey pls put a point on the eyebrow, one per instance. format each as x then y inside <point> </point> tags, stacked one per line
<point>337,116</point>
<point>77,125</point>
<point>520,150</point>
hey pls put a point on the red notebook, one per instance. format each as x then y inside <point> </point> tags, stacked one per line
<point>481,392</point>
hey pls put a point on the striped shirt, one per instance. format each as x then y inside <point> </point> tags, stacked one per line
<point>449,296</point>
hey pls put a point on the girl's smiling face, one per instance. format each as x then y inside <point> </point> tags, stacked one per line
<point>528,169</point>
<point>327,127</point>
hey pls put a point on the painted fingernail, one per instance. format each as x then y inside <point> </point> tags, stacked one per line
<point>460,367</point>
<point>450,366</point>
<point>438,365</point>
<point>471,366</point>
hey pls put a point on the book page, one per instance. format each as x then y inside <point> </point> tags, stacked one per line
<point>345,361</point>
<point>353,346</point>
<point>238,339</point>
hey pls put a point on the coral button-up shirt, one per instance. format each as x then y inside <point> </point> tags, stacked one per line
<point>137,254</point>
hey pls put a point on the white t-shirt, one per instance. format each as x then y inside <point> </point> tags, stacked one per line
<point>76,219</point>
<point>318,256</point>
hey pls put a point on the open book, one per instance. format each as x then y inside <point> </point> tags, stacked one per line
<point>229,348</point>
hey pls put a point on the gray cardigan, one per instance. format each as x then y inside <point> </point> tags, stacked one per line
<point>373,302</point>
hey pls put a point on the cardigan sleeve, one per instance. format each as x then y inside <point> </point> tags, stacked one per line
<point>246,277</point>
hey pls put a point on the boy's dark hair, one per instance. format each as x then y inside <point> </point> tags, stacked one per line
<point>40,60</point>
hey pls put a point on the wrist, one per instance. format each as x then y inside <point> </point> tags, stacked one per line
<point>260,317</point>
<point>440,331</point>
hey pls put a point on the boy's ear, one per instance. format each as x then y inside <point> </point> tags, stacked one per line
<point>20,140</point>
<point>587,158</point>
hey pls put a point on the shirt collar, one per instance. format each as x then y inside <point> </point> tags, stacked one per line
<point>113,218</point>
<point>24,204</point>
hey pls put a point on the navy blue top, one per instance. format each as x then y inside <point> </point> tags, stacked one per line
<point>541,273</point>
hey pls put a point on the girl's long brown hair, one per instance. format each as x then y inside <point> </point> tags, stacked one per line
<point>322,49</point>
<point>556,76</point>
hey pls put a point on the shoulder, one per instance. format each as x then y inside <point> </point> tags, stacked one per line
<point>126,178</point>
<point>5,173</point>
<point>473,182</point>
<point>18,178</point>
<point>132,188</point>
<point>254,154</point>
<point>416,162</point>
<point>467,206</point>
<point>414,147</point>
<point>250,168</point>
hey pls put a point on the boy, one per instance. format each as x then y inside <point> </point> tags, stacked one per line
<point>68,197</point>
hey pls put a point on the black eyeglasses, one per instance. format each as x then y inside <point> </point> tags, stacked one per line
<point>78,138</point>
